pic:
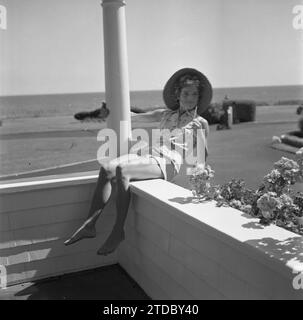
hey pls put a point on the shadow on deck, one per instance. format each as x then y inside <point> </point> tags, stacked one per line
<point>105,283</point>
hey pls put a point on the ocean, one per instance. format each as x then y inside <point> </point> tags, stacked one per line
<point>68,104</point>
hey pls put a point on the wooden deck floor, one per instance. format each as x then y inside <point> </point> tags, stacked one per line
<point>106,283</point>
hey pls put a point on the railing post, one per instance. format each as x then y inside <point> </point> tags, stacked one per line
<point>116,71</point>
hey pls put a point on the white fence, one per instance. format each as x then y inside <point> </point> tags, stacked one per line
<point>174,248</point>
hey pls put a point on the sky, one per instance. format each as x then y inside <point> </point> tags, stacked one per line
<point>57,46</point>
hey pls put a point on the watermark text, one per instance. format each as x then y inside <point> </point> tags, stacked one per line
<point>3,18</point>
<point>297,21</point>
<point>3,277</point>
<point>297,281</point>
<point>184,146</point>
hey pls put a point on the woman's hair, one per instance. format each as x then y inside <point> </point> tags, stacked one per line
<point>186,81</point>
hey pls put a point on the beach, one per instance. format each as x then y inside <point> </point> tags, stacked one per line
<point>51,145</point>
<point>58,105</point>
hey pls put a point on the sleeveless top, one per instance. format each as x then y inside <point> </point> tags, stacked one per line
<point>174,148</point>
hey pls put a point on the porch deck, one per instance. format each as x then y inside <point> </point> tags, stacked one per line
<point>105,283</point>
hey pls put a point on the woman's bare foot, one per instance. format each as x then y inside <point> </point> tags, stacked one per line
<point>87,230</point>
<point>112,243</point>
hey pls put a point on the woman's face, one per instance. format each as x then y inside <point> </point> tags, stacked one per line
<point>189,97</point>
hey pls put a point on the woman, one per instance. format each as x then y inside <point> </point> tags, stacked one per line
<point>187,94</point>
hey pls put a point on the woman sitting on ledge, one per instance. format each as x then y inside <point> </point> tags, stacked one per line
<point>187,94</point>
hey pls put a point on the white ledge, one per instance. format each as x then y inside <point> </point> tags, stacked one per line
<point>46,182</point>
<point>230,225</point>
<point>172,243</point>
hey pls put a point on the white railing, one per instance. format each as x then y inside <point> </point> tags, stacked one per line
<point>174,248</point>
<point>36,217</point>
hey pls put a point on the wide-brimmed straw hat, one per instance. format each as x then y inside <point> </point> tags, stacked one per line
<point>170,90</point>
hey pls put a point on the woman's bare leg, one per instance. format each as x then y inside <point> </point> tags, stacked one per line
<point>100,198</point>
<point>126,172</point>
<point>122,170</point>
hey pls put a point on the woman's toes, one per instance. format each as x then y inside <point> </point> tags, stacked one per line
<point>82,233</point>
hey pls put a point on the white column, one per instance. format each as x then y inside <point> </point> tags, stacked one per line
<point>116,70</point>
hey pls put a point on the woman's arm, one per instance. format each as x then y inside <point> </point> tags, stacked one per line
<point>151,116</point>
<point>203,124</point>
<point>198,123</point>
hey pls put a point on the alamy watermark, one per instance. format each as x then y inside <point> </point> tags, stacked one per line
<point>3,277</point>
<point>297,281</point>
<point>185,145</point>
<point>297,21</point>
<point>3,18</point>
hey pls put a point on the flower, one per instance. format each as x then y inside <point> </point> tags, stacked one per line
<point>273,176</point>
<point>299,159</point>
<point>274,201</point>
<point>246,208</point>
<point>199,180</point>
<point>298,201</point>
<point>266,214</point>
<point>267,203</point>
<point>286,200</point>
<point>235,204</point>
<point>233,189</point>
<point>289,169</point>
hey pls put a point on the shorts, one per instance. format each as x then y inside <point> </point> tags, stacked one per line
<point>168,170</point>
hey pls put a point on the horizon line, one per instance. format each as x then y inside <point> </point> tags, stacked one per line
<point>142,90</point>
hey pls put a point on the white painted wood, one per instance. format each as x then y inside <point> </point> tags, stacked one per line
<point>150,211</point>
<point>154,233</point>
<point>203,266</point>
<point>177,271</point>
<point>162,278</point>
<point>151,288</point>
<point>4,222</point>
<point>6,239</point>
<point>44,197</point>
<point>47,215</point>
<point>116,71</point>
<point>37,217</point>
<point>40,269</point>
<point>173,248</point>
<point>229,225</point>
<point>222,247</point>
<point>39,182</point>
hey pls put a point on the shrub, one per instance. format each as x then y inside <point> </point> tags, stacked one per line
<point>273,202</point>
<point>243,110</point>
<point>213,113</point>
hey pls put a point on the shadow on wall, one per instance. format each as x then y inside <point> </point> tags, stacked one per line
<point>285,250</point>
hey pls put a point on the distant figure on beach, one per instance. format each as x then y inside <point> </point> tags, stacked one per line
<point>98,114</point>
<point>223,119</point>
<point>186,94</point>
<point>300,109</point>
<point>101,113</point>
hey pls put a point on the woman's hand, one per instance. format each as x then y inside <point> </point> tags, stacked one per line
<point>199,123</point>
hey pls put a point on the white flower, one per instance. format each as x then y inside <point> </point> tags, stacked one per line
<point>266,214</point>
<point>268,202</point>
